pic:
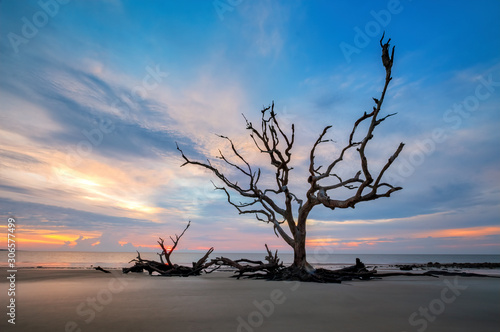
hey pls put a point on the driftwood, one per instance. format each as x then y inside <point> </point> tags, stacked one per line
<point>168,268</point>
<point>101,269</point>
<point>484,265</point>
<point>257,269</point>
<point>272,269</point>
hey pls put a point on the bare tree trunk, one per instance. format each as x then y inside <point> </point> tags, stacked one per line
<point>299,251</point>
<point>299,254</point>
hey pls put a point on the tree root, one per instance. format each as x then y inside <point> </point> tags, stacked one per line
<point>277,272</point>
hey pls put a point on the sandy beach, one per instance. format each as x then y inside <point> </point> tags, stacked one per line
<point>89,300</point>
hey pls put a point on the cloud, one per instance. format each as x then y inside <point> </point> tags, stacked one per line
<point>265,27</point>
<point>84,153</point>
<point>106,242</point>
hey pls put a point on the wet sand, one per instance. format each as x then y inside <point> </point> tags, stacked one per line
<point>89,300</point>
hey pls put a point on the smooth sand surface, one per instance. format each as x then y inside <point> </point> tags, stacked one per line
<point>89,300</point>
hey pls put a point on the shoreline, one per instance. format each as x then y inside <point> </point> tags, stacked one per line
<point>490,269</point>
<point>89,300</point>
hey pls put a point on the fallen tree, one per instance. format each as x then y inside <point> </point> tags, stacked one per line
<point>168,268</point>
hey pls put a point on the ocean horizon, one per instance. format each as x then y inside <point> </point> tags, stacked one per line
<point>88,259</point>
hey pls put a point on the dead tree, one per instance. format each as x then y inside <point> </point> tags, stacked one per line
<point>169,269</point>
<point>279,205</point>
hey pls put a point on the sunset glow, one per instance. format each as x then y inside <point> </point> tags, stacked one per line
<point>94,105</point>
<point>471,232</point>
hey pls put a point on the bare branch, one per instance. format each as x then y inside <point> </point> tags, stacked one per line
<point>267,211</point>
<point>252,191</point>
<point>320,140</point>
<point>167,252</point>
<point>317,193</point>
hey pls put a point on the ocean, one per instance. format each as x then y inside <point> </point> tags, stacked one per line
<point>80,259</point>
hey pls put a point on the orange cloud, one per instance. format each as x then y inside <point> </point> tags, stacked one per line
<point>322,242</point>
<point>28,238</point>
<point>54,239</point>
<point>463,232</point>
<point>202,248</point>
<point>354,243</point>
<point>333,241</point>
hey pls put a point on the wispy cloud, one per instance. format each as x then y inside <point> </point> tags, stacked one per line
<point>88,156</point>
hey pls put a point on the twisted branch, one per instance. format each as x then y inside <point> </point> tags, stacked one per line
<point>318,194</point>
<point>168,252</point>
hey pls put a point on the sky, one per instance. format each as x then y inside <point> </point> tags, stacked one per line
<point>94,96</point>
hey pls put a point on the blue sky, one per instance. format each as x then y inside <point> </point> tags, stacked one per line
<point>94,96</point>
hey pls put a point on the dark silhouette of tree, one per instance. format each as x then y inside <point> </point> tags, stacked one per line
<point>278,205</point>
<point>169,269</point>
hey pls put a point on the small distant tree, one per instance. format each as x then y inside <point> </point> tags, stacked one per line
<point>276,205</point>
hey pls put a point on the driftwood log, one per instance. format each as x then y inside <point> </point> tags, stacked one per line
<point>255,269</point>
<point>101,269</point>
<point>168,268</point>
